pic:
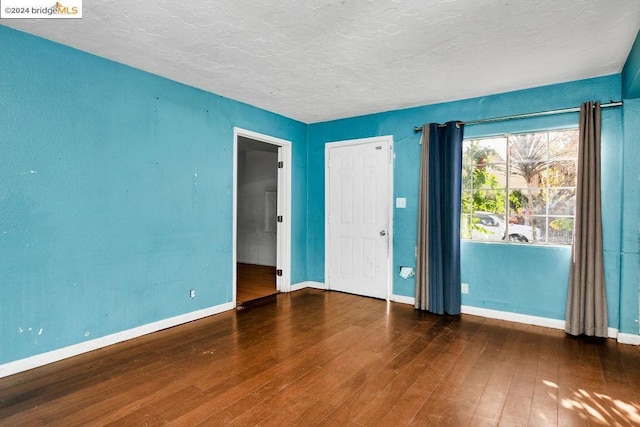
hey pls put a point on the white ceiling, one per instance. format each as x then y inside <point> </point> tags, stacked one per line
<point>318,60</point>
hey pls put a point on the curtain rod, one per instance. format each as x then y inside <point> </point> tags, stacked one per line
<point>528,115</point>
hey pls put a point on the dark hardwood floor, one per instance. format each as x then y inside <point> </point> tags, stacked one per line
<point>333,359</point>
<point>254,282</point>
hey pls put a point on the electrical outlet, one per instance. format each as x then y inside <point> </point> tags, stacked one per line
<point>192,293</point>
<point>465,288</point>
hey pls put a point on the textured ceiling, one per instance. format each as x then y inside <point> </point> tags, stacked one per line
<point>318,60</point>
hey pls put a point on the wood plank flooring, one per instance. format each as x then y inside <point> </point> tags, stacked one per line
<point>333,359</point>
<point>254,282</point>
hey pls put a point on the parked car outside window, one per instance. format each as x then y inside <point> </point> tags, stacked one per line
<point>490,226</point>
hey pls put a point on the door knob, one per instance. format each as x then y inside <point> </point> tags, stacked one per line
<point>383,233</point>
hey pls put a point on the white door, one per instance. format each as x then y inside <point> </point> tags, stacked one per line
<point>359,218</point>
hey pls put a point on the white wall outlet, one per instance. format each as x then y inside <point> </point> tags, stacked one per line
<point>401,202</point>
<point>465,288</point>
<point>192,293</point>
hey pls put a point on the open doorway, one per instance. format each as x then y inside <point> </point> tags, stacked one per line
<point>261,216</point>
<point>257,219</point>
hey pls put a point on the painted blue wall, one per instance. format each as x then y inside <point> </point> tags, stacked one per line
<point>524,279</point>
<point>630,230</point>
<point>631,72</point>
<point>115,195</point>
<point>630,258</point>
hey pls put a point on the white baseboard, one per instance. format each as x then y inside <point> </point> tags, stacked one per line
<point>402,299</point>
<point>495,314</point>
<point>628,339</point>
<point>84,347</point>
<point>513,317</point>
<point>530,320</point>
<point>298,286</point>
<point>308,284</point>
<point>317,285</point>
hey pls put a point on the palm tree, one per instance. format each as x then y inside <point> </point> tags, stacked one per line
<point>533,154</point>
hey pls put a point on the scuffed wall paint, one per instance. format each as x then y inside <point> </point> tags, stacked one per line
<point>105,225</point>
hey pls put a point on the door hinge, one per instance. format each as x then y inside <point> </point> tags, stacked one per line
<point>280,218</point>
<point>279,273</point>
<point>280,165</point>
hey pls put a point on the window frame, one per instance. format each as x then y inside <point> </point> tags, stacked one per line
<point>547,217</point>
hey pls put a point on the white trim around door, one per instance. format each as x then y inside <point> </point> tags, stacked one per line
<point>283,282</point>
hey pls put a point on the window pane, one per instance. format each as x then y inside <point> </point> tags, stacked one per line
<point>467,172</point>
<point>562,173</point>
<point>487,226</point>
<point>520,234</point>
<point>529,147</point>
<point>560,230</point>
<point>485,151</point>
<point>489,177</point>
<point>518,205</point>
<point>467,202</point>
<point>528,229</point>
<point>490,201</point>
<point>467,154</point>
<point>562,201</point>
<point>563,144</point>
<point>528,174</point>
<point>528,201</point>
<point>466,225</point>
<point>534,184</point>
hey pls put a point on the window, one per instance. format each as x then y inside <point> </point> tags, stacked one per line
<point>520,188</point>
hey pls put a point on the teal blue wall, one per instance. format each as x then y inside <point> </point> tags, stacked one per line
<point>529,280</point>
<point>630,229</point>
<point>631,72</point>
<point>115,195</point>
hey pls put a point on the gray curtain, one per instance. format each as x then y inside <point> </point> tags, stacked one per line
<point>422,251</point>
<point>586,300</point>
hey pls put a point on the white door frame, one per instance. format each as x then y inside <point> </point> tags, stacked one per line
<point>327,196</point>
<point>283,256</point>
